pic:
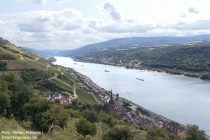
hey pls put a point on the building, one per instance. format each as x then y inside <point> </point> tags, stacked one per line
<point>57,97</point>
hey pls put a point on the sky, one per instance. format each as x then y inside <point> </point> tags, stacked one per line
<point>69,24</point>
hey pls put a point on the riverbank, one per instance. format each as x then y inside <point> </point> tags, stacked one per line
<point>127,110</point>
<point>201,75</point>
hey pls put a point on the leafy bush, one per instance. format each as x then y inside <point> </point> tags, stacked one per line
<point>9,77</point>
<point>85,127</point>
<point>3,65</point>
<point>21,95</point>
<point>160,134</point>
<point>107,119</point>
<point>119,132</point>
<point>90,115</point>
<point>44,115</point>
<point>4,103</point>
<point>193,133</point>
<point>47,85</point>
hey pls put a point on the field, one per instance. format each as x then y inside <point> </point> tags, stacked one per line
<point>62,84</point>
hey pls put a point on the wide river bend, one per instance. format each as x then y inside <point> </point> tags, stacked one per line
<point>183,99</point>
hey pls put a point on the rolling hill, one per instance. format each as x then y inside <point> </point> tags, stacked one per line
<point>134,42</point>
<point>191,59</point>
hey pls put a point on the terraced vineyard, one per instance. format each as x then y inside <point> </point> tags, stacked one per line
<point>18,60</point>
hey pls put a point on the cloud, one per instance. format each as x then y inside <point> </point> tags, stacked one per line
<point>193,10</point>
<point>42,2</point>
<point>196,25</point>
<point>183,16</point>
<point>69,28</point>
<point>61,1</point>
<point>126,27</point>
<point>34,27</point>
<point>1,22</point>
<point>112,11</point>
<point>64,28</point>
<point>45,21</point>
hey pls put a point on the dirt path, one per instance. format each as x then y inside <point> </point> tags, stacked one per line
<point>74,91</point>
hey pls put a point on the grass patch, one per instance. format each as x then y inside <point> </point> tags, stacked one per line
<point>142,135</point>
<point>15,73</point>
<point>62,84</point>
<point>9,125</point>
<point>84,97</point>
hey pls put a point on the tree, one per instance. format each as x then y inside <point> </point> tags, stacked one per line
<point>4,103</point>
<point>107,119</point>
<point>193,133</point>
<point>44,115</point>
<point>36,106</point>
<point>117,97</point>
<point>160,134</point>
<point>90,115</point>
<point>42,121</point>
<point>60,115</point>
<point>119,132</point>
<point>4,99</point>
<point>9,77</point>
<point>21,95</point>
<point>3,65</point>
<point>85,127</point>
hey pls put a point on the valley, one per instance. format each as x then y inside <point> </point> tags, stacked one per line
<point>50,101</point>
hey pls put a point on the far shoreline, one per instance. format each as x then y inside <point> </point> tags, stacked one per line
<point>160,70</point>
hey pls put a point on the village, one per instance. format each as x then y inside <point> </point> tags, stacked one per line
<point>61,98</point>
<point>128,110</point>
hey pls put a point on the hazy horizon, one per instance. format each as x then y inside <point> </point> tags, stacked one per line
<point>63,49</point>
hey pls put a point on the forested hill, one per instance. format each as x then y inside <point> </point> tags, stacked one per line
<point>135,42</point>
<point>178,59</point>
<point>29,102</point>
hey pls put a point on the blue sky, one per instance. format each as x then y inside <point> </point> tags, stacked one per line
<point>68,24</point>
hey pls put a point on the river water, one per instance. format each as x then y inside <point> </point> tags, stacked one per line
<point>183,99</point>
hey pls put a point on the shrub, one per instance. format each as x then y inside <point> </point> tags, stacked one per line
<point>3,65</point>
<point>193,133</point>
<point>85,127</point>
<point>119,132</point>
<point>9,77</point>
<point>45,116</point>
<point>107,119</point>
<point>90,115</point>
<point>160,134</point>
<point>21,95</point>
<point>4,103</point>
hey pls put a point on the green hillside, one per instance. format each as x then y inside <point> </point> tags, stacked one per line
<point>26,83</point>
<point>189,58</point>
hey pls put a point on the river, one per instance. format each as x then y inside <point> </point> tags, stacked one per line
<point>183,99</point>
